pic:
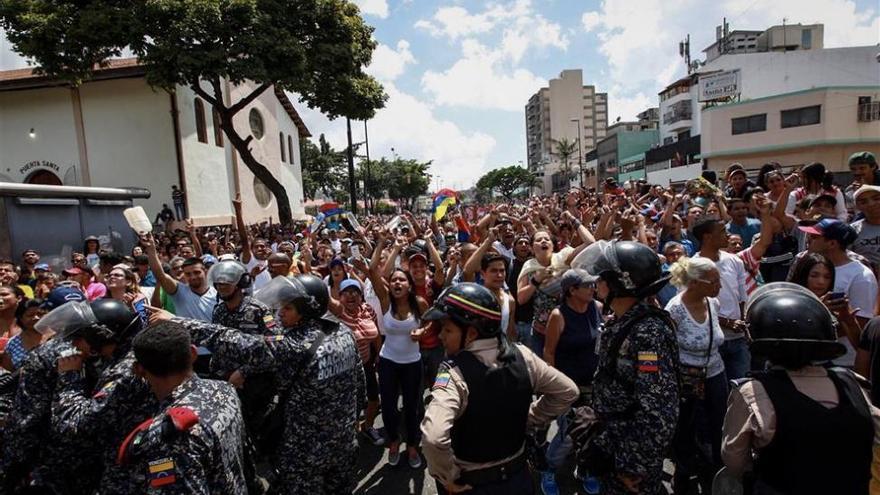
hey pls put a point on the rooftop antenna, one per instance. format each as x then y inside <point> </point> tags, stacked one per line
<point>684,51</point>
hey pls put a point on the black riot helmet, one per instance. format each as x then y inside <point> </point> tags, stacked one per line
<point>468,305</point>
<point>630,269</point>
<point>115,322</point>
<point>308,293</point>
<point>790,326</point>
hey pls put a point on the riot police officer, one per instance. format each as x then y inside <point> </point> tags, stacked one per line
<point>320,385</point>
<point>95,338</point>
<point>623,436</point>
<point>809,428</point>
<point>194,444</point>
<point>235,309</point>
<point>474,430</point>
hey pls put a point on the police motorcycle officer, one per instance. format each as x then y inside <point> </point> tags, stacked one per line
<point>798,427</point>
<point>89,352</point>
<point>474,429</point>
<point>319,383</point>
<point>621,438</point>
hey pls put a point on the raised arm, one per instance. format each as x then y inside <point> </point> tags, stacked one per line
<point>243,236</point>
<point>193,237</point>
<point>376,278</point>
<point>472,265</point>
<point>439,275</point>
<point>165,281</point>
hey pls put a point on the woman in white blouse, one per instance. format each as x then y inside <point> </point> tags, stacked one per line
<point>704,384</point>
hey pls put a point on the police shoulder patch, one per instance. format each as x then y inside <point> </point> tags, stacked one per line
<point>161,472</point>
<point>274,338</point>
<point>647,362</point>
<point>442,379</point>
<point>106,389</point>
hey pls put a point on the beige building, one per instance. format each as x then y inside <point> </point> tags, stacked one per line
<point>789,37</point>
<point>824,125</point>
<point>117,131</point>
<point>565,109</point>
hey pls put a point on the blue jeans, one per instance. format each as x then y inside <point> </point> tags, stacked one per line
<point>736,357</point>
<point>537,344</point>
<point>524,333</point>
<point>560,446</point>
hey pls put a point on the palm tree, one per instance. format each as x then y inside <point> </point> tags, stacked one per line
<point>565,149</point>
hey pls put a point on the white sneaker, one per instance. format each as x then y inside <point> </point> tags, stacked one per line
<point>393,458</point>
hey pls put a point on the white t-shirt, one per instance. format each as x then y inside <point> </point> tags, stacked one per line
<point>693,337</point>
<point>503,251</point>
<point>860,286</point>
<point>734,281</point>
<point>263,278</point>
<point>188,304</point>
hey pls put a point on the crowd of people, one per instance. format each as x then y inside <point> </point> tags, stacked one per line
<point>669,332</point>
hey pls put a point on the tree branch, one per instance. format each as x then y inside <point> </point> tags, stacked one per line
<point>204,94</point>
<point>218,94</point>
<point>234,109</point>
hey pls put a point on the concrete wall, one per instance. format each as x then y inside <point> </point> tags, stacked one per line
<point>49,112</point>
<point>208,186</point>
<point>291,169</point>
<point>130,138</point>
<point>838,133</point>
<point>678,174</point>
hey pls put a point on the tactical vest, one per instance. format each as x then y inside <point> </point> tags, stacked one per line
<point>493,426</point>
<point>816,450</point>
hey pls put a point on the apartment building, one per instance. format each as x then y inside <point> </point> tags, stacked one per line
<point>565,109</point>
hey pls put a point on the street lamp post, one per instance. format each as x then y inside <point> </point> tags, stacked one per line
<point>367,179</point>
<point>352,187</point>
<point>580,155</point>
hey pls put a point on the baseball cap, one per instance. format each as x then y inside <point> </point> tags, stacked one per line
<point>337,262</point>
<point>42,267</point>
<point>226,257</point>
<point>61,295</point>
<point>826,197</point>
<point>833,229</point>
<point>864,189</point>
<point>418,254</point>
<point>75,270</point>
<point>576,276</point>
<point>209,259</point>
<point>350,282</point>
<point>736,171</point>
<point>862,157</point>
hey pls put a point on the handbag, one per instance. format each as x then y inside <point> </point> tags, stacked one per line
<point>693,378</point>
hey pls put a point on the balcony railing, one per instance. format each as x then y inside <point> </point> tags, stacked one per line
<point>869,112</point>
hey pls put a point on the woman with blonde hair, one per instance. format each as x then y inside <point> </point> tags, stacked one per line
<point>122,285</point>
<point>704,383</point>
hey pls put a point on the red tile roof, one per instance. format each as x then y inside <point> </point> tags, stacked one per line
<point>28,79</point>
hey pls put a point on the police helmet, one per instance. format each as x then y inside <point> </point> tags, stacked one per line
<point>229,272</point>
<point>308,293</point>
<point>468,305</point>
<point>630,269</point>
<point>790,326</point>
<point>101,322</point>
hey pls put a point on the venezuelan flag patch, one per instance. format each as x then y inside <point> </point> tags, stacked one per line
<point>274,338</point>
<point>648,362</point>
<point>162,472</point>
<point>441,381</point>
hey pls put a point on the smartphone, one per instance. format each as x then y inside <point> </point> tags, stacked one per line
<point>140,308</point>
<point>836,295</point>
<point>355,251</point>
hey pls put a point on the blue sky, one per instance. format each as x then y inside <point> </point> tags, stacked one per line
<point>459,72</point>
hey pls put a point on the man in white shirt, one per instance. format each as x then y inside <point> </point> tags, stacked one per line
<point>830,238</point>
<point>712,234</point>
<point>254,254</point>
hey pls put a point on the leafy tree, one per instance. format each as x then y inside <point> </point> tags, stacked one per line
<point>565,149</point>
<point>407,180</point>
<point>316,48</point>
<point>507,181</point>
<point>323,168</point>
<point>376,184</point>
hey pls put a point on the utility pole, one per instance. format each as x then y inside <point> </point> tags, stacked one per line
<point>352,188</point>
<point>367,205</point>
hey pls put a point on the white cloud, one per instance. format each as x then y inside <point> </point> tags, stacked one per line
<point>476,81</point>
<point>627,107</point>
<point>410,127</point>
<point>378,8</point>
<point>489,75</point>
<point>640,38</point>
<point>389,63</point>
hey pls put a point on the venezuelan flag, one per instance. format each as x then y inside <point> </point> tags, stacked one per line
<point>443,199</point>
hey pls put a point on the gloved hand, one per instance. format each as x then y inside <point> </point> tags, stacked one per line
<point>535,452</point>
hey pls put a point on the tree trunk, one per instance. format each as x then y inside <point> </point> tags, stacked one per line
<point>242,146</point>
